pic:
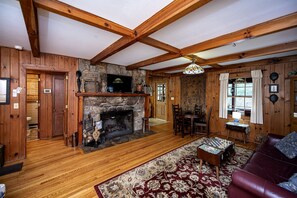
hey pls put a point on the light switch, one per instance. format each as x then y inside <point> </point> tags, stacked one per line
<point>16,105</point>
<point>14,93</point>
<point>172,98</point>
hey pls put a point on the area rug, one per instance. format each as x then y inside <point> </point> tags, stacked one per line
<point>118,140</point>
<point>156,121</point>
<point>174,174</point>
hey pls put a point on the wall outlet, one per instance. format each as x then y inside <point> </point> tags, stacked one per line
<point>16,105</point>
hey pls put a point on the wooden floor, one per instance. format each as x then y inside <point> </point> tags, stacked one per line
<point>53,170</point>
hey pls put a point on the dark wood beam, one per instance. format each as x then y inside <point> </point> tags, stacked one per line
<point>83,16</point>
<point>160,45</point>
<point>268,27</point>
<point>167,15</point>
<point>31,21</point>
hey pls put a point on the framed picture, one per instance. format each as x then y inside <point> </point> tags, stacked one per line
<point>273,88</point>
<point>4,91</point>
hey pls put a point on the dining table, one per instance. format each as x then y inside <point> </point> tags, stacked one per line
<point>192,117</point>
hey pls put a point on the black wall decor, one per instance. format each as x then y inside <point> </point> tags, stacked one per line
<point>273,98</point>
<point>273,76</point>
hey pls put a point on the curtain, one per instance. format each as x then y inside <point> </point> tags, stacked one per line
<point>257,103</point>
<point>223,111</point>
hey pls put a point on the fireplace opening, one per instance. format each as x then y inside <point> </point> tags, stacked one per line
<point>117,123</point>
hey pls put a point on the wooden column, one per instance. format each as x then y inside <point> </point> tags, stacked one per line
<point>80,118</point>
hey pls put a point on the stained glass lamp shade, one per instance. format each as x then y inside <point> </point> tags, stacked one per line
<point>193,68</point>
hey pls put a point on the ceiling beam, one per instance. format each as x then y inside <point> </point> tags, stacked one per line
<point>74,13</point>
<point>169,14</point>
<point>232,57</point>
<point>285,47</point>
<point>268,27</point>
<point>256,63</point>
<point>199,60</point>
<point>169,69</point>
<point>154,60</point>
<point>31,21</point>
<point>160,45</point>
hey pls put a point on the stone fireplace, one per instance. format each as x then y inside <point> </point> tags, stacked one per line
<point>105,107</point>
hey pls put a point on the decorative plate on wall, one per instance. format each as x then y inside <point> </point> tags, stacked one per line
<point>273,98</point>
<point>273,76</point>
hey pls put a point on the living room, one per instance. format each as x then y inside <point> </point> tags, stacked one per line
<point>152,47</point>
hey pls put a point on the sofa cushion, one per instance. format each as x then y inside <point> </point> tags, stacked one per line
<point>290,185</point>
<point>268,149</point>
<point>288,145</point>
<point>269,168</point>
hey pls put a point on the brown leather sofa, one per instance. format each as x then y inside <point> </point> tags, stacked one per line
<point>266,168</point>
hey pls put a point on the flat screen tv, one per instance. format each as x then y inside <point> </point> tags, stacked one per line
<point>118,83</point>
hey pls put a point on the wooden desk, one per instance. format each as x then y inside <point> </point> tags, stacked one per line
<point>244,129</point>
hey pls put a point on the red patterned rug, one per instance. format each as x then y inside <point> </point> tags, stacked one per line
<point>174,174</point>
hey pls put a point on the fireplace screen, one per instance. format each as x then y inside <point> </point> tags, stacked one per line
<point>117,123</point>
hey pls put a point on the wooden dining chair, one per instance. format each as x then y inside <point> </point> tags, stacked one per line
<point>175,112</point>
<point>183,125</point>
<point>202,126</point>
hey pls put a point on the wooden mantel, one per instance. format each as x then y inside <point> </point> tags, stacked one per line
<point>108,94</point>
<point>104,94</point>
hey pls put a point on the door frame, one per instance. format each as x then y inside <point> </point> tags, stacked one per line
<point>23,97</point>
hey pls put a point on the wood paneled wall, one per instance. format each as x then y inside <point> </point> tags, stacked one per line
<point>14,65</point>
<point>276,116</point>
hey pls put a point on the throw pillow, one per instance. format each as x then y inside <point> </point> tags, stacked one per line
<point>290,185</point>
<point>293,179</point>
<point>288,145</point>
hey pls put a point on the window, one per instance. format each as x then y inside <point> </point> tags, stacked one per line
<point>161,90</point>
<point>240,93</point>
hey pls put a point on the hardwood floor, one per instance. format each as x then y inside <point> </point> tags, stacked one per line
<point>53,170</point>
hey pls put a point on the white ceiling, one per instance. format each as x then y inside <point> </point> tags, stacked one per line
<point>134,53</point>
<point>129,13</point>
<point>11,18</point>
<point>60,35</point>
<point>64,36</point>
<point>173,62</point>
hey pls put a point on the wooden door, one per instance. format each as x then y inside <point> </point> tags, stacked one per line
<point>45,108</point>
<point>58,105</point>
<point>161,110</point>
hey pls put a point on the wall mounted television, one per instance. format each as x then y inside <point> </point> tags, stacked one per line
<point>118,83</point>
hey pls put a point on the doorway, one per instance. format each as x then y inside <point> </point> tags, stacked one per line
<point>47,92</point>
<point>32,106</point>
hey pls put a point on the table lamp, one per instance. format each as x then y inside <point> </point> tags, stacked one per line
<point>236,116</point>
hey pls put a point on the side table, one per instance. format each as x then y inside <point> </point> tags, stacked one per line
<point>244,129</point>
